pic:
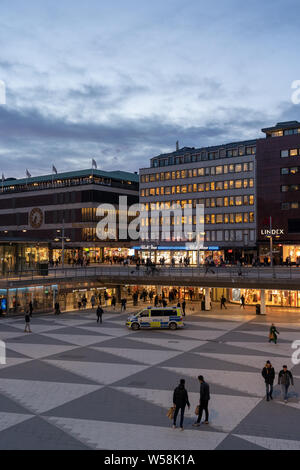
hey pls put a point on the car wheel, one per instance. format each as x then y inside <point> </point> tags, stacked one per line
<point>135,326</point>
<point>173,326</point>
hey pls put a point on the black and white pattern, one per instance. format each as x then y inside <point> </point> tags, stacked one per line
<point>75,384</point>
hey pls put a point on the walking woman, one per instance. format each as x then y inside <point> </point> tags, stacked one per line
<point>273,334</point>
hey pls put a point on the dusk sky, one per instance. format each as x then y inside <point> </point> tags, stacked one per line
<point>122,81</point>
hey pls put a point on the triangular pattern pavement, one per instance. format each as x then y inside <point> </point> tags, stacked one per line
<point>144,356</point>
<point>101,373</point>
<point>176,344</point>
<point>256,362</point>
<point>272,444</point>
<point>43,396</point>
<point>7,420</point>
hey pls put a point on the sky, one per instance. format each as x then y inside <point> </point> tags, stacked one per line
<point>122,81</point>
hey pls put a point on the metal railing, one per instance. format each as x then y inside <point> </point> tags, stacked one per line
<point>164,272</point>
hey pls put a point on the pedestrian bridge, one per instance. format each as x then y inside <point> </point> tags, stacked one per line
<point>279,277</point>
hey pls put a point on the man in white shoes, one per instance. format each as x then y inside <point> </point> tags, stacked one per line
<point>180,400</point>
<point>204,399</point>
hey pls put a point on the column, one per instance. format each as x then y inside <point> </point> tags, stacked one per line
<point>263,302</point>
<point>207,298</point>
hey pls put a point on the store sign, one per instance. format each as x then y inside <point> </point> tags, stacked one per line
<point>276,232</point>
<point>148,247</point>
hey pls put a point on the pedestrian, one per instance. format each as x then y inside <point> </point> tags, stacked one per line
<point>285,379</point>
<point>223,300</point>
<point>99,314</point>
<point>204,399</point>
<point>56,308</point>
<point>183,307</point>
<point>27,321</point>
<point>165,303</point>
<point>268,374</point>
<point>113,302</point>
<point>242,302</point>
<point>93,301</point>
<point>156,301</point>
<point>180,400</point>
<point>30,308</point>
<point>273,334</point>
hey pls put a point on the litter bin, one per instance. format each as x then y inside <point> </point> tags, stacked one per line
<point>43,269</point>
<point>257,309</point>
<point>203,305</point>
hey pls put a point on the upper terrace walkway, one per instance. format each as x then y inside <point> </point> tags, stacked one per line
<point>280,277</point>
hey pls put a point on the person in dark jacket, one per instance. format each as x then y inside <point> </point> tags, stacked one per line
<point>30,308</point>
<point>204,399</point>
<point>183,307</point>
<point>285,379</point>
<point>180,400</point>
<point>268,374</point>
<point>273,334</point>
<point>99,314</point>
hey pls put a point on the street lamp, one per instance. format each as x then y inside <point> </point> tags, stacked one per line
<point>63,239</point>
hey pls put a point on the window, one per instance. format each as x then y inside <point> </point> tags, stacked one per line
<point>219,170</point>
<point>251,217</point>
<point>251,200</point>
<point>245,167</point>
<point>238,184</point>
<point>284,188</point>
<point>284,153</point>
<point>219,218</point>
<point>152,192</point>
<point>225,168</point>
<point>226,219</point>
<point>219,235</point>
<point>239,235</point>
<point>249,151</point>
<point>207,171</point>
<point>238,218</point>
<point>231,168</point>
<point>212,186</point>
<point>200,171</point>
<point>219,202</point>
<point>246,217</point>
<point>207,218</point>
<point>241,151</point>
<point>231,201</point>
<point>284,171</point>
<point>293,170</point>
<point>225,201</point>
<point>212,219</point>
<point>294,152</point>
<point>201,187</point>
<point>183,174</point>
<point>226,235</point>
<point>219,185</point>
<point>238,200</point>
<point>285,206</point>
<point>212,202</point>
<point>235,152</point>
<point>238,168</point>
<point>212,171</point>
<point>294,205</point>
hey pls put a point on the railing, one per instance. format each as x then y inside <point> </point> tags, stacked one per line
<point>234,273</point>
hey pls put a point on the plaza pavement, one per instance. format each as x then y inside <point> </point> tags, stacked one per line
<point>73,384</point>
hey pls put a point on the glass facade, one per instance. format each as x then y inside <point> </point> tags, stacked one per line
<point>42,298</point>
<point>275,298</point>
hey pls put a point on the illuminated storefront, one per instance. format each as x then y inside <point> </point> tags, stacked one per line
<point>274,298</point>
<point>42,298</point>
<point>179,255</point>
<point>292,251</point>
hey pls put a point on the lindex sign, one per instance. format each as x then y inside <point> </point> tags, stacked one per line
<point>274,231</point>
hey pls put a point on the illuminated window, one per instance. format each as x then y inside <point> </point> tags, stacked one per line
<point>212,218</point>
<point>246,217</point>
<point>238,184</point>
<point>162,190</point>
<point>200,171</point>
<point>277,134</point>
<point>238,168</point>
<point>241,151</point>
<point>231,184</point>
<point>231,201</point>
<point>294,170</point>
<point>178,189</point>
<point>219,202</point>
<point>142,192</point>
<point>194,172</point>
<point>195,188</point>
<point>219,170</point>
<point>212,186</point>
<point>238,218</point>
<point>225,184</point>
<point>225,169</point>
<point>231,218</point>
<point>251,217</point>
<point>284,153</point>
<point>235,152</point>
<point>238,200</point>
<point>219,185</point>
<point>294,205</point>
<point>207,218</point>
<point>284,171</point>
<point>183,189</point>
<point>231,168</point>
<point>183,174</point>
<point>212,202</point>
<point>219,218</point>
<point>201,187</point>
<point>225,201</point>
<point>167,176</point>
<point>251,200</point>
<point>226,219</point>
<point>294,152</point>
<point>284,188</point>
<point>173,175</point>
<point>207,187</point>
<point>245,183</point>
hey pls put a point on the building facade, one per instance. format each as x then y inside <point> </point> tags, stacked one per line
<point>34,214</point>
<point>222,179</point>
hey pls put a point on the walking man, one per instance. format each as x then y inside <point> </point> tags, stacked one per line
<point>99,314</point>
<point>285,379</point>
<point>183,307</point>
<point>223,300</point>
<point>113,302</point>
<point>27,321</point>
<point>242,302</point>
<point>273,334</point>
<point>180,400</point>
<point>204,399</point>
<point>268,374</point>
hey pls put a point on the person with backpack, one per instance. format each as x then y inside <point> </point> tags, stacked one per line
<point>204,399</point>
<point>268,374</point>
<point>180,401</point>
<point>273,334</point>
<point>99,314</point>
<point>285,379</point>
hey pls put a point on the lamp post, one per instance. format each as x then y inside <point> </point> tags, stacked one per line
<point>63,239</point>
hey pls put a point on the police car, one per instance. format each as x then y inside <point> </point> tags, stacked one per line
<point>157,317</point>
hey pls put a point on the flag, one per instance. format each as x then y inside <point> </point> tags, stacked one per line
<point>54,170</point>
<point>28,175</point>
<point>94,164</point>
